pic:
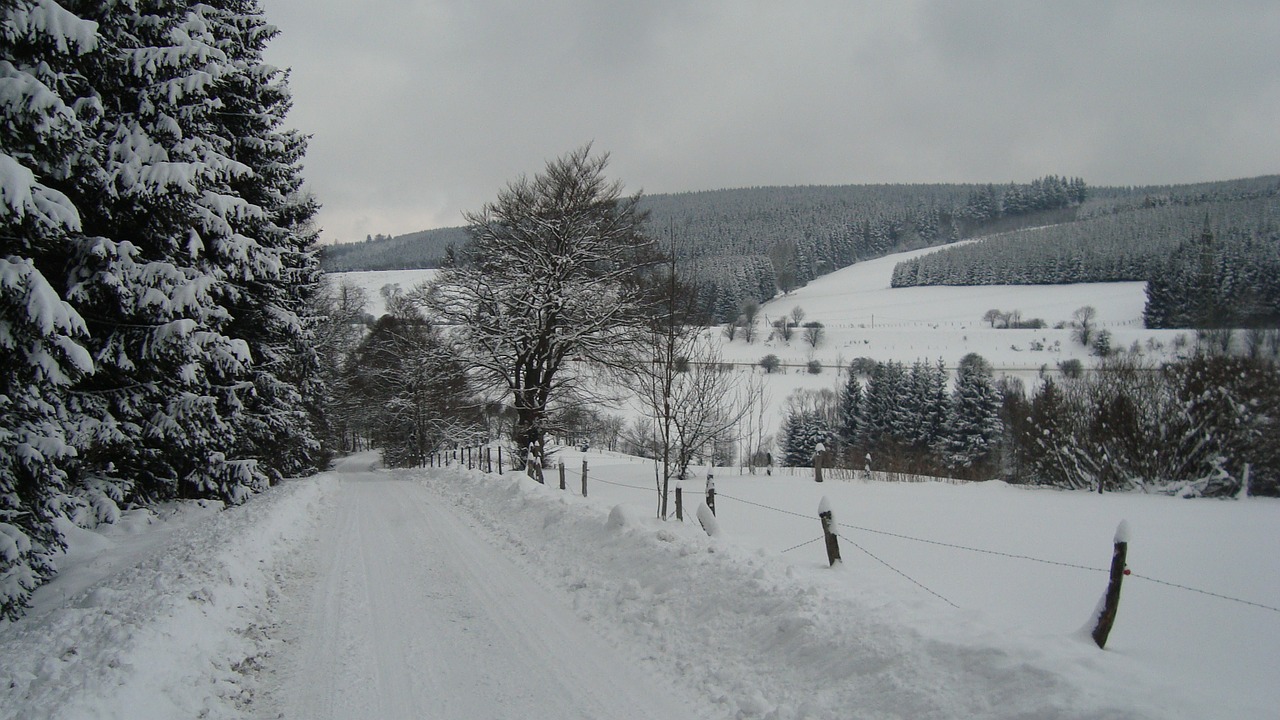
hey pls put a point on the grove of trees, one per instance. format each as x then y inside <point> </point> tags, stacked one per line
<point>1207,426</point>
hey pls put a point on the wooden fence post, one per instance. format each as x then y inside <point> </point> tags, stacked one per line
<point>818,451</point>
<point>584,477</point>
<point>679,501</point>
<point>499,459</point>
<point>561,474</point>
<point>711,494</point>
<point>828,519</point>
<point>1111,601</point>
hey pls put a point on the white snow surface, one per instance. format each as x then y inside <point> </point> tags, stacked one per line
<point>447,593</point>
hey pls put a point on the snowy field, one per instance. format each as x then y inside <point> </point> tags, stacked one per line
<point>353,594</point>
<point>864,317</point>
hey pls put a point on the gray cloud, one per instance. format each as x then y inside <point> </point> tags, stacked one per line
<point>423,109</point>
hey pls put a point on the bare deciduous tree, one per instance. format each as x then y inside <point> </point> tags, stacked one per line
<point>548,278</point>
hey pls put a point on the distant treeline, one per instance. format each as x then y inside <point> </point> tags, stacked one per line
<point>745,245</point>
<point>1166,238</point>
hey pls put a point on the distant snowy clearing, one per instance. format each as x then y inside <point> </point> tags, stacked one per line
<point>864,317</point>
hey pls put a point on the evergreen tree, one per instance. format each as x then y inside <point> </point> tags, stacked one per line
<point>927,407</point>
<point>268,306</point>
<point>885,424</point>
<point>41,336</point>
<point>973,430</point>
<point>154,253</point>
<point>851,400</point>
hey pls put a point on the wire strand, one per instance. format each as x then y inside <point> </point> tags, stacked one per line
<point>917,583</point>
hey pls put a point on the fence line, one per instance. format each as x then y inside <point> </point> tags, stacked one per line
<point>998,553</point>
<point>462,457</point>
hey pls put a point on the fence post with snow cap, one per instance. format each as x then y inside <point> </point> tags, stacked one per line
<point>829,531</point>
<point>1106,614</point>
<point>818,451</point>
<point>711,493</point>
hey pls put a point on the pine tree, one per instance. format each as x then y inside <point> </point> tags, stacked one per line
<point>851,400</point>
<point>885,426</point>
<point>927,407</point>
<point>268,306</point>
<point>973,430</point>
<point>41,336</point>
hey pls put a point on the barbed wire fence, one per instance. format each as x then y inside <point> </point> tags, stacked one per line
<point>477,458</point>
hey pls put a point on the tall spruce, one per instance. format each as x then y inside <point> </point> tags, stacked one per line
<point>155,249</point>
<point>973,428</point>
<point>42,47</point>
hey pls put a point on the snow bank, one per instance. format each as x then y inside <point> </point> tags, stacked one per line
<point>176,634</point>
<point>760,638</point>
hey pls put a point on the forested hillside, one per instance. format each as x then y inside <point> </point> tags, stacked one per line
<point>1210,253</point>
<point>1120,238</point>
<point>749,243</point>
<point>425,249</point>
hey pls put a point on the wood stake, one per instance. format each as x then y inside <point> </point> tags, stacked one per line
<point>1111,601</point>
<point>828,519</point>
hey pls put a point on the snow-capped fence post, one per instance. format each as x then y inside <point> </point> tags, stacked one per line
<point>1106,614</point>
<point>561,474</point>
<point>679,501</point>
<point>584,477</point>
<point>828,519</point>
<point>711,493</point>
<point>818,451</point>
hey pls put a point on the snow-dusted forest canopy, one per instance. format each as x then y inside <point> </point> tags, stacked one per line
<point>156,268</point>
<point>748,243</point>
<point>744,245</point>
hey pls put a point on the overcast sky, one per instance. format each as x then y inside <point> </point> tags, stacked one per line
<point>423,109</point>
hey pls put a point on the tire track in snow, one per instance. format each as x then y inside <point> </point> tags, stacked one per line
<point>410,614</point>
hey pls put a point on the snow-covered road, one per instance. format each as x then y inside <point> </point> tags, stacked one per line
<point>401,610</point>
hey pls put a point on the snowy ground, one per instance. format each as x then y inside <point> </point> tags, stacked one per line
<point>865,317</point>
<point>447,593</point>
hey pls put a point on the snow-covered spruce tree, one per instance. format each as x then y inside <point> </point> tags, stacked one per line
<point>41,45</point>
<point>851,399</point>
<point>548,279</point>
<point>268,309</point>
<point>809,419</point>
<point>927,406</point>
<point>885,423</point>
<point>175,252</point>
<point>1227,416</point>
<point>973,429</point>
